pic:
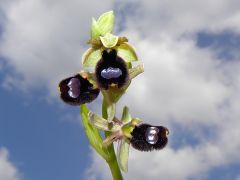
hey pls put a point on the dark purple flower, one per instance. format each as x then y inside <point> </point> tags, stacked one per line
<point>146,137</point>
<point>77,90</point>
<point>111,69</point>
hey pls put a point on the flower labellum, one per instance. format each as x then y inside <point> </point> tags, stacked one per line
<point>111,69</point>
<point>77,90</point>
<point>147,138</point>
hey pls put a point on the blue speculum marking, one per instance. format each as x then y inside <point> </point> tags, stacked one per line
<point>152,135</point>
<point>111,72</point>
<point>74,88</point>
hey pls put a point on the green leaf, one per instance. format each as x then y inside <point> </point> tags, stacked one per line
<point>126,116</point>
<point>109,40</point>
<point>102,123</point>
<point>92,133</point>
<point>127,52</point>
<point>91,57</point>
<point>122,154</point>
<point>95,30</point>
<point>106,22</point>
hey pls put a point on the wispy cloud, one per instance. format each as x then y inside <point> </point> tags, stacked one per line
<point>7,170</point>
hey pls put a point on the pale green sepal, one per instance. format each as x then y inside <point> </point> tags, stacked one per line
<point>109,40</point>
<point>126,116</point>
<point>106,22</point>
<point>91,57</point>
<point>126,52</point>
<point>123,153</point>
<point>102,123</point>
<point>93,133</point>
<point>133,72</point>
<point>95,30</point>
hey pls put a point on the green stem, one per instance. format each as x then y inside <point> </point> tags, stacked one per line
<point>112,161</point>
<point>113,165</point>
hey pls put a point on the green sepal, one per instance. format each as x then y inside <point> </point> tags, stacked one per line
<point>91,57</point>
<point>133,72</point>
<point>123,153</point>
<point>93,133</point>
<point>127,52</point>
<point>106,22</point>
<point>126,116</point>
<point>103,25</point>
<point>102,123</point>
<point>95,30</point>
<point>109,40</point>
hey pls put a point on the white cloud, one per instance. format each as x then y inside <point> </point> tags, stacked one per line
<point>43,40</point>
<point>187,87</point>
<point>7,170</point>
<point>173,18</point>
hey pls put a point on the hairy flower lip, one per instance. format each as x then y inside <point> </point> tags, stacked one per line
<point>86,91</point>
<point>111,60</point>
<point>139,142</point>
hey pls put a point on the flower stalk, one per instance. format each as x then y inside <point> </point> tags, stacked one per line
<point>112,161</point>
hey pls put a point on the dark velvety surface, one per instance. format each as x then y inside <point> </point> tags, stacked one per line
<point>139,141</point>
<point>111,60</point>
<point>86,91</point>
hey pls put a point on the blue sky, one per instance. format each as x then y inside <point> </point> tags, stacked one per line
<point>191,56</point>
<point>41,141</point>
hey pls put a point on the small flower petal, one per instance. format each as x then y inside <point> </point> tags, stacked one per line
<point>109,40</point>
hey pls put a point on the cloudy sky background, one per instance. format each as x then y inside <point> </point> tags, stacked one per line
<point>191,85</point>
